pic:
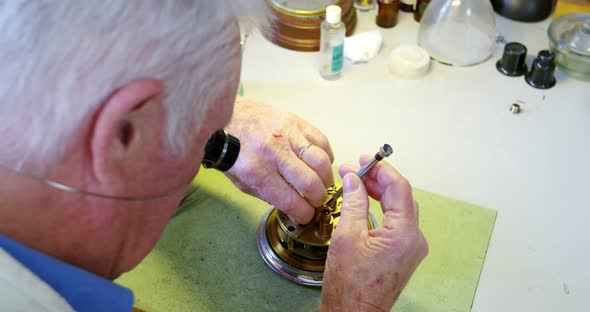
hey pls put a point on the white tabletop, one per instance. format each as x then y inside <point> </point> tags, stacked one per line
<point>453,134</point>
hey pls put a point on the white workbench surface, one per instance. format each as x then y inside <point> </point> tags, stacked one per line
<point>453,134</point>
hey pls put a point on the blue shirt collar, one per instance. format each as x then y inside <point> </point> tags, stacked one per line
<point>83,290</point>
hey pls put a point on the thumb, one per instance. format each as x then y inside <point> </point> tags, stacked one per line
<point>355,204</point>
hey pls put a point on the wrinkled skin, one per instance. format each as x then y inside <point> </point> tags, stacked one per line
<point>367,269</point>
<point>269,167</point>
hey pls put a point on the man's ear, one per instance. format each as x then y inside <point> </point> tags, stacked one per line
<point>124,128</point>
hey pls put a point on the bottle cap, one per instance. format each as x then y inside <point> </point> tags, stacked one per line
<point>333,14</point>
<point>409,61</point>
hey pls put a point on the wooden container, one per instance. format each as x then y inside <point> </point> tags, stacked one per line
<point>299,29</point>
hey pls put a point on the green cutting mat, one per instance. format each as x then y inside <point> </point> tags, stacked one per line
<point>207,259</point>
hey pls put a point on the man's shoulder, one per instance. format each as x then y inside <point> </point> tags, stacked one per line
<point>22,290</point>
<point>45,279</point>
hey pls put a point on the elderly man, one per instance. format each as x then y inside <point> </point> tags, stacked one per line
<point>106,107</point>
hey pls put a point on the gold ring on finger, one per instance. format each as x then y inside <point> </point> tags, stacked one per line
<point>308,145</point>
<point>300,194</point>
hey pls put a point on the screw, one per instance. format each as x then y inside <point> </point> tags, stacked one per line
<point>515,108</point>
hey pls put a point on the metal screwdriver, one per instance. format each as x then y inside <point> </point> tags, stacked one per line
<point>384,152</point>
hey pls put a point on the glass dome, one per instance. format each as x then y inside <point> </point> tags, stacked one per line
<point>569,38</point>
<point>458,32</point>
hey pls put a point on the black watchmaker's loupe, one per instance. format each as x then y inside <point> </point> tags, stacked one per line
<point>221,151</point>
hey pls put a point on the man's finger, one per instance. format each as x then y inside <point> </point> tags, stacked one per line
<point>314,157</point>
<point>285,198</point>
<point>347,168</point>
<point>316,137</point>
<point>355,205</point>
<point>302,178</point>
<point>392,173</point>
<point>387,185</point>
<point>371,185</point>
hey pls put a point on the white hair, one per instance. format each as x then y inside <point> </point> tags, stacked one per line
<point>62,58</point>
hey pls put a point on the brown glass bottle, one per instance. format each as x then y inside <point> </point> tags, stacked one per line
<point>420,8</point>
<point>387,13</point>
<point>407,5</point>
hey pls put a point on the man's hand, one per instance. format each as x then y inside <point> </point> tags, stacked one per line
<point>367,269</point>
<point>269,166</point>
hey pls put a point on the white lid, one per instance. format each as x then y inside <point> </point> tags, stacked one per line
<point>409,61</point>
<point>333,13</point>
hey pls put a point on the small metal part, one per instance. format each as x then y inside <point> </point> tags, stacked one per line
<point>515,108</point>
<point>326,224</point>
<point>384,152</point>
